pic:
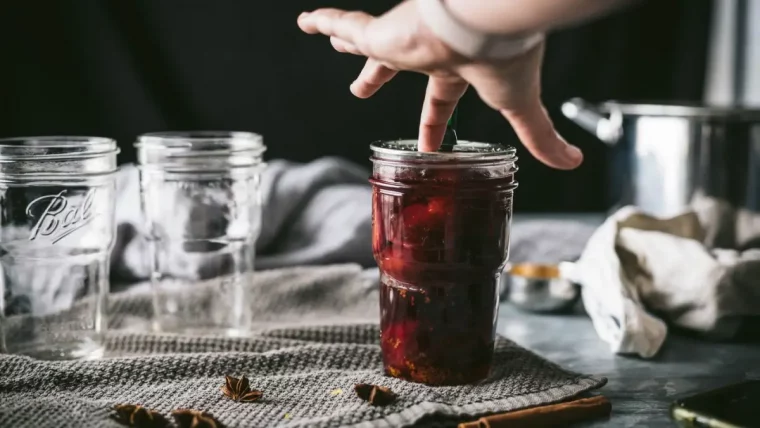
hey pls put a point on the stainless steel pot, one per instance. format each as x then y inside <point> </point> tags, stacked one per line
<point>665,155</point>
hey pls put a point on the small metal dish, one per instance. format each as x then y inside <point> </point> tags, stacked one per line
<point>544,288</point>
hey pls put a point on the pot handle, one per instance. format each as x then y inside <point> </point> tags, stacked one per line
<point>607,129</point>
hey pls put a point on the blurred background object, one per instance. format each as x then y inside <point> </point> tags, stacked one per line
<point>733,67</point>
<point>122,68</point>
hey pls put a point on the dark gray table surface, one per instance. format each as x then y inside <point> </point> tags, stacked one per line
<point>641,391</point>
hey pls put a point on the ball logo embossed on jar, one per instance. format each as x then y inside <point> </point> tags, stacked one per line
<point>58,217</point>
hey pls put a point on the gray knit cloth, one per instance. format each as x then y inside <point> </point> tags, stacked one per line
<point>316,337</point>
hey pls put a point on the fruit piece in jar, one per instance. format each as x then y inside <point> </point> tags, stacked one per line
<point>423,222</point>
<point>438,206</point>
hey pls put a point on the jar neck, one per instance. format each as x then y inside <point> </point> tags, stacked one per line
<point>57,156</point>
<point>490,176</point>
<point>463,163</point>
<point>190,162</point>
<point>200,151</point>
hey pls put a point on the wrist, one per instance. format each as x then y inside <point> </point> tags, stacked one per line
<point>483,16</point>
<point>469,41</point>
<point>514,17</point>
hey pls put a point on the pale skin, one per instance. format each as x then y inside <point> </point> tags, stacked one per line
<point>399,41</point>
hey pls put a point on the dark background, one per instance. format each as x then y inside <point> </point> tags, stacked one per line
<point>120,68</point>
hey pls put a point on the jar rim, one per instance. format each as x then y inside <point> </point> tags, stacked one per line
<point>463,151</point>
<point>57,147</point>
<point>193,151</point>
<point>201,140</point>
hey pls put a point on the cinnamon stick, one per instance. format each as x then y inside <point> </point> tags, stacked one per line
<point>559,414</point>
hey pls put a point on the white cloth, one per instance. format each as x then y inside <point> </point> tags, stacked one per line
<point>639,274</point>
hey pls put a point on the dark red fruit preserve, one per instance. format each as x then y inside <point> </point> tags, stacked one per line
<point>440,224</point>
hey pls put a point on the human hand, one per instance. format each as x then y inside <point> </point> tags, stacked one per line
<point>399,40</point>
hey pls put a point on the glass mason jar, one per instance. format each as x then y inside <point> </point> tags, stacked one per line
<point>57,197</point>
<point>202,205</point>
<point>441,226</point>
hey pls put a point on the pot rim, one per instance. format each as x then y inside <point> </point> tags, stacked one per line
<point>690,110</point>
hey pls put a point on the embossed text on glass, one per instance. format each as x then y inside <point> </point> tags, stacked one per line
<point>60,218</point>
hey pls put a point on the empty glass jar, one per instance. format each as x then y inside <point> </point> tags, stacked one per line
<point>202,205</point>
<point>56,234</point>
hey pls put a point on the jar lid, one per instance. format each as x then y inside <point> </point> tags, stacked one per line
<point>463,150</point>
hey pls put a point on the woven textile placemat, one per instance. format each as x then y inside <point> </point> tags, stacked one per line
<point>306,371</point>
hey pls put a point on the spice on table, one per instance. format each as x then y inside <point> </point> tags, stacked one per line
<point>376,395</point>
<point>240,389</point>
<point>189,418</point>
<point>133,415</point>
<point>554,415</point>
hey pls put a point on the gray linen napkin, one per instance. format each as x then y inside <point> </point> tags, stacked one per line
<point>316,337</point>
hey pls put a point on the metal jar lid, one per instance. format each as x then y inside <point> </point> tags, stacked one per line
<point>406,150</point>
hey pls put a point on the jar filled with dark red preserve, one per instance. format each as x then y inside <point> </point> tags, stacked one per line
<point>440,224</point>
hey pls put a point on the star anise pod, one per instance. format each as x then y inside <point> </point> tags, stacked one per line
<point>136,416</point>
<point>240,389</point>
<point>376,395</point>
<point>189,418</point>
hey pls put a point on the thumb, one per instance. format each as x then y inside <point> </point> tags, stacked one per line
<point>536,131</point>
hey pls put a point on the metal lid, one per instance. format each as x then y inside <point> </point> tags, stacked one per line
<point>681,110</point>
<point>463,150</point>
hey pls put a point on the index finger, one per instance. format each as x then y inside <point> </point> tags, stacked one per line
<point>347,26</point>
<point>441,97</point>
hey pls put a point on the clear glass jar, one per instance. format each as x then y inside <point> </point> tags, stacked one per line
<point>202,205</point>
<point>441,225</point>
<point>56,232</point>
